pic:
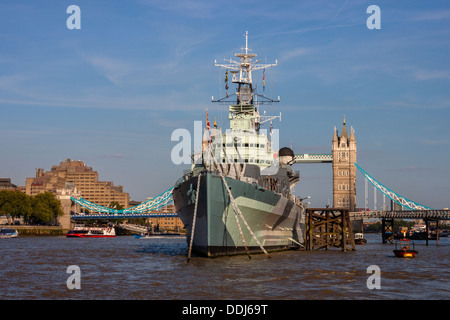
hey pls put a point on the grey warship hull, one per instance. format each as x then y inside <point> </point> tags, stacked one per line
<point>276,221</point>
<point>243,200</point>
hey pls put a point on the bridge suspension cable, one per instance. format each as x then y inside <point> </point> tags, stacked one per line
<point>146,206</point>
<point>393,195</point>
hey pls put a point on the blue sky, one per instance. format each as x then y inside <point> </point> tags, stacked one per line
<point>111,93</point>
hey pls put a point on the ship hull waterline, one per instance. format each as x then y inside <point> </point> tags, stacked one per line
<point>277,222</point>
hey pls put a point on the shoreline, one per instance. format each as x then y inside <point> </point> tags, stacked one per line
<point>37,230</point>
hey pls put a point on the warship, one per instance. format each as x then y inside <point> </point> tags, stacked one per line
<point>237,198</point>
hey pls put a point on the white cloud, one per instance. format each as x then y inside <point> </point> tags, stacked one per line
<point>435,142</point>
<point>295,53</point>
<point>112,69</point>
<point>432,74</point>
<point>432,15</point>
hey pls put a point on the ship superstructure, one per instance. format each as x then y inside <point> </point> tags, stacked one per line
<point>237,196</point>
<point>244,142</point>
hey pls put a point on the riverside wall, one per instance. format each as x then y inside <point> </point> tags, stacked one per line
<point>37,230</point>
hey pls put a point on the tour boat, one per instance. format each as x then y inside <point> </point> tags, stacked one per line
<point>406,249</point>
<point>91,232</point>
<point>8,233</point>
<point>359,238</point>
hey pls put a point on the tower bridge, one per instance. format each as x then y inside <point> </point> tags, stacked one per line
<point>343,159</point>
<point>344,167</point>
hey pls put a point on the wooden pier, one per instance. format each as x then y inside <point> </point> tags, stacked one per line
<point>388,217</point>
<point>327,228</point>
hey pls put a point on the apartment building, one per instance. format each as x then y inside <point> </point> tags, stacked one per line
<point>168,223</point>
<point>84,178</point>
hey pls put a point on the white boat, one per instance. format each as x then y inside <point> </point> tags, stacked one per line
<point>91,232</point>
<point>359,238</point>
<point>8,233</point>
<point>155,235</point>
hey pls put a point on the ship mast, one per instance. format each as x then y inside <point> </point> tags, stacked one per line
<point>246,103</point>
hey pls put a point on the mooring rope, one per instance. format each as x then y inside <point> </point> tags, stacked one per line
<point>236,216</point>
<point>236,209</point>
<point>194,218</point>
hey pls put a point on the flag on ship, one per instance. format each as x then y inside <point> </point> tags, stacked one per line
<point>207,121</point>
<point>208,127</point>
<point>226,81</point>
<point>264,80</point>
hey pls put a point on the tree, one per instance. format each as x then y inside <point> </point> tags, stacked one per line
<point>15,204</point>
<point>46,208</point>
<point>42,208</point>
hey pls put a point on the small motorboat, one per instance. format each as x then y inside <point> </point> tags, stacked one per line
<point>404,248</point>
<point>359,238</point>
<point>8,233</point>
<point>155,234</point>
<point>142,236</point>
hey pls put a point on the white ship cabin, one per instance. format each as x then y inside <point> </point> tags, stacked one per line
<point>242,146</point>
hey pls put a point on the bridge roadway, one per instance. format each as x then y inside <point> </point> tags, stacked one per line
<point>313,158</point>
<point>406,214</point>
<point>380,214</point>
<point>123,215</point>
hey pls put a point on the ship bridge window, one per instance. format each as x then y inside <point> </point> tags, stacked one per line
<point>262,145</point>
<point>252,145</point>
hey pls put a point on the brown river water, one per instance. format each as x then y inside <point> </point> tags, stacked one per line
<point>125,268</point>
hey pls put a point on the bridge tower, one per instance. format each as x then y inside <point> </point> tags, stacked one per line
<point>344,170</point>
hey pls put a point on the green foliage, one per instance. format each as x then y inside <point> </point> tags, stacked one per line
<point>374,227</point>
<point>46,207</point>
<point>116,205</point>
<point>15,204</point>
<point>40,209</point>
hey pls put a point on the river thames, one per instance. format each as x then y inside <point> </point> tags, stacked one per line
<point>125,268</point>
